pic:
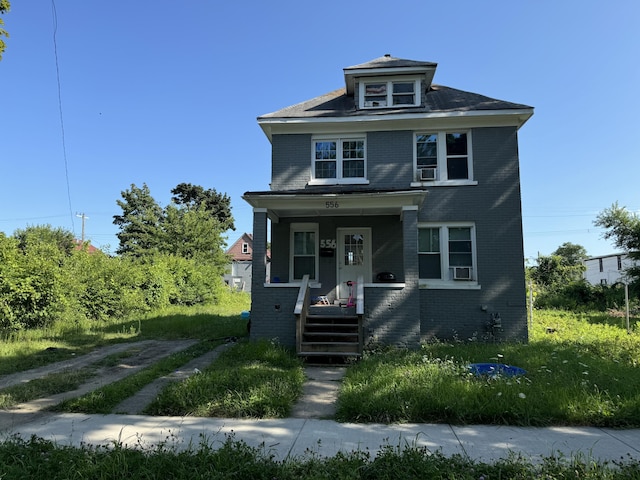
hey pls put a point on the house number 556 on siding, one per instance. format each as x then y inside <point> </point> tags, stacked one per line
<point>328,243</point>
<point>331,205</point>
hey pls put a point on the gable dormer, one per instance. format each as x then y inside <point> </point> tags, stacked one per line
<point>389,82</point>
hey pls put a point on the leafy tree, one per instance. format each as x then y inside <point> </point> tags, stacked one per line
<point>191,227</point>
<point>218,205</point>
<point>5,6</point>
<point>572,255</point>
<point>61,238</point>
<point>623,227</point>
<point>193,233</point>
<point>563,266</point>
<point>140,223</point>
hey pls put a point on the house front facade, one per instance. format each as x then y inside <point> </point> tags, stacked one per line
<point>394,201</point>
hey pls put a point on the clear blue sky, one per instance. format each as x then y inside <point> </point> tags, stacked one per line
<point>162,92</point>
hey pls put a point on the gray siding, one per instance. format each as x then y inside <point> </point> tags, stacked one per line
<point>494,206</point>
<point>390,159</point>
<point>403,315</point>
<point>291,161</point>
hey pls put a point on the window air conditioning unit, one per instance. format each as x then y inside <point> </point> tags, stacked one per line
<point>428,173</point>
<point>462,273</point>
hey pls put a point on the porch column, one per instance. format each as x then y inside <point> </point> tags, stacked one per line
<point>411,275</point>
<point>259,260</point>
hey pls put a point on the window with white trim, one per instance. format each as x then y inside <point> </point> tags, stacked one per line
<point>304,251</point>
<point>443,156</point>
<point>446,253</point>
<point>384,93</point>
<point>338,160</point>
<point>245,247</point>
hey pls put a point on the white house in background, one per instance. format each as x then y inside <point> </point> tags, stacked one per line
<point>608,269</point>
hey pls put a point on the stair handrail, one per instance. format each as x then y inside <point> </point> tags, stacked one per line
<point>301,309</point>
<point>360,296</point>
<point>360,312</point>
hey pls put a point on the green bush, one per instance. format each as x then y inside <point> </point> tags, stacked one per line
<point>41,283</point>
<point>583,297</point>
<point>30,294</point>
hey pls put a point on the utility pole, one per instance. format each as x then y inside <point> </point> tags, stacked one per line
<point>83,217</point>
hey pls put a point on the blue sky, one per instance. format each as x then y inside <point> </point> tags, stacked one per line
<point>161,93</point>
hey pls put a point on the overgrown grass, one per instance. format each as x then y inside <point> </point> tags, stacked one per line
<point>34,348</point>
<point>105,399</point>
<point>40,387</point>
<point>580,371</point>
<point>37,458</point>
<point>255,380</point>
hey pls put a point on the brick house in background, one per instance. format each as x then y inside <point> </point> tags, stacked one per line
<point>238,274</point>
<point>395,208</point>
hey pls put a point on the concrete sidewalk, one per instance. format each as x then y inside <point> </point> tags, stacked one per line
<point>311,430</point>
<point>295,437</point>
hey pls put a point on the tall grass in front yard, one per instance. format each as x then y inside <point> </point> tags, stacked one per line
<point>580,371</point>
<point>26,349</point>
<point>255,380</point>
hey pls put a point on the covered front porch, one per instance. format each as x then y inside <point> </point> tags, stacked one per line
<point>345,244</point>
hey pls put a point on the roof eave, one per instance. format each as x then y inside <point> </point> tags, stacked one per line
<point>517,117</point>
<point>281,205</point>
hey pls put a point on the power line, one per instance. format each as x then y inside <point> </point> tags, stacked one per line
<point>64,143</point>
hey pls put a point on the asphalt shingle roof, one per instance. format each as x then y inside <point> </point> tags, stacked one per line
<point>439,99</point>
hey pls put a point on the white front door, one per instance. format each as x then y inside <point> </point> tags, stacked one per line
<point>354,258</point>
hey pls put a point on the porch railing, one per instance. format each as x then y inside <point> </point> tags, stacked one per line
<point>301,309</point>
<point>332,321</point>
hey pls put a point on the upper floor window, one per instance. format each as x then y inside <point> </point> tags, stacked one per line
<point>443,156</point>
<point>383,93</point>
<point>245,247</point>
<point>447,253</point>
<point>339,160</point>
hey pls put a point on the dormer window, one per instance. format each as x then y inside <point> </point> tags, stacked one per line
<point>381,93</point>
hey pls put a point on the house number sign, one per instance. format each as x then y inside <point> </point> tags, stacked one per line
<point>331,205</point>
<point>328,243</point>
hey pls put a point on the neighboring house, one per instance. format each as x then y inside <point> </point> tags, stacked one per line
<point>398,199</point>
<point>80,245</point>
<point>239,271</point>
<point>608,269</point>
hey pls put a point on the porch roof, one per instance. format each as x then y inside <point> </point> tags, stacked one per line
<point>332,203</point>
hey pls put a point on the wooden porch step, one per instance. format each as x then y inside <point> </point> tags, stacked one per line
<point>329,347</point>
<point>329,354</point>
<point>331,334</point>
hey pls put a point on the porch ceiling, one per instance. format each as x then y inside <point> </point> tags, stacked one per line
<point>282,204</point>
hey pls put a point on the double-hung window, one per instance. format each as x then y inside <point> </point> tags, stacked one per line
<point>385,93</point>
<point>443,156</point>
<point>446,253</point>
<point>304,251</point>
<point>339,160</point>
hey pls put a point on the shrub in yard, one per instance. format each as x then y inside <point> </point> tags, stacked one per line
<point>30,295</point>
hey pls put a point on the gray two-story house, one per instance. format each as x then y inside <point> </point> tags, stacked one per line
<point>395,215</point>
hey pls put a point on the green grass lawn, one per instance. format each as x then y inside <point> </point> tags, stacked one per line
<point>581,370</point>
<point>248,380</point>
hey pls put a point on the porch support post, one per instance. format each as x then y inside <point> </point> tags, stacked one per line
<point>411,276</point>
<point>259,260</point>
